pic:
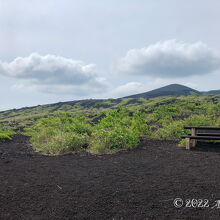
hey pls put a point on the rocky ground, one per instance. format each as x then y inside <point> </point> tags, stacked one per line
<point>137,184</point>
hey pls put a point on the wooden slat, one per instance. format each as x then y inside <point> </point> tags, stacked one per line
<point>203,127</point>
<point>203,137</point>
<point>206,134</point>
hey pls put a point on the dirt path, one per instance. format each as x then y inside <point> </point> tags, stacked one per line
<point>139,184</point>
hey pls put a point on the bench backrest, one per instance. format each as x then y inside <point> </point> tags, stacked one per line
<point>208,131</point>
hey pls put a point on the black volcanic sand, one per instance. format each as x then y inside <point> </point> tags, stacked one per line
<point>138,184</point>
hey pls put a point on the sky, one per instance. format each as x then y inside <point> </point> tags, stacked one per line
<point>52,50</point>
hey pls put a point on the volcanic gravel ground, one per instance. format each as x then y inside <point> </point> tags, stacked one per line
<point>137,184</point>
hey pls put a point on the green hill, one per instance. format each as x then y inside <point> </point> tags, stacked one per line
<point>173,89</point>
<point>95,109</point>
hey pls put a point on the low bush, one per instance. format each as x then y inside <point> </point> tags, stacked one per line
<point>6,132</point>
<point>171,131</point>
<point>61,142</point>
<point>175,129</point>
<point>61,134</point>
<point>120,129</point>
<point>4,136</point>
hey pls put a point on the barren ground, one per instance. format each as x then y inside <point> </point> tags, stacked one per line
<point>137,184</point>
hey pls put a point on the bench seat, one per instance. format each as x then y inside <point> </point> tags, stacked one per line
<point>201,133</point>
<point>206,134</point>
<point>203,127</point>
<point>210,137</point>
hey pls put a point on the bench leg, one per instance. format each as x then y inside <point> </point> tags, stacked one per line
<point>188,143</point>
<point>194,142</point>
<point>194,133</point>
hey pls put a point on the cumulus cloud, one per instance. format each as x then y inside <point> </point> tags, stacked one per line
<point>170,59</point>
<point>54,74</point>
<point>128,89</point>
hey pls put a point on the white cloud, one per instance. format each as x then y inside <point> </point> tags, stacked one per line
<point>54,74</point>
<point>170,59</point>
<point>130,88</point>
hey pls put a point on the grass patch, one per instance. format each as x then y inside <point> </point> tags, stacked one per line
<point>60,134</point>
<point>6,132</point>
<point>120,129</point>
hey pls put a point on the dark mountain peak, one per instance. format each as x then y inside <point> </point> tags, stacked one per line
<point>172,89</point>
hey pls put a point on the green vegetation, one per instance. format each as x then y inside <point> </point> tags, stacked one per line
<point>59,134</point>
<point>120,129</point>
<point>107,126</point>
<point>5,132</point>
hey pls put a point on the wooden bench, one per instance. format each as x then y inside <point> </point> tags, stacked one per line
<point>201,133</point>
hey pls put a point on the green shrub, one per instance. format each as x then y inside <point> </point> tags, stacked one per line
<point>6,132</point>
<point>4,136</point>
<point>171,131</point>
<point>199,120</point>
<point>174,129</point>
<point>114,139</point>
<point>120,129</point>
<point>62,143</point>
<point>61,134</point>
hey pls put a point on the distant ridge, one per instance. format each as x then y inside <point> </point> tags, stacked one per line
<point>212,92</point>
<point>173,89</point>
<point>169,90</point>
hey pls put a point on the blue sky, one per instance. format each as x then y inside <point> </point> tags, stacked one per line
<point>54,50</point>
